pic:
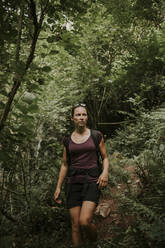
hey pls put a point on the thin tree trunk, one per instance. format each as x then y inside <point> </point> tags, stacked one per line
<point>18,77</point>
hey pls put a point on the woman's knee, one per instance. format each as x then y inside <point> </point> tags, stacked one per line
<point>75,226</point>
<point>84,222</point>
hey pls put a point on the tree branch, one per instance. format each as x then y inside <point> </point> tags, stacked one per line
<point>37,29</point>
<point>24,184</point>
<point>19,35</point>
<point>32,8</point>
<point>12,191</point>
<point>18,77</point>
<point>9,217</point>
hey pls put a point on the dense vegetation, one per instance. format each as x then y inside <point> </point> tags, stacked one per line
<point>109,54</point>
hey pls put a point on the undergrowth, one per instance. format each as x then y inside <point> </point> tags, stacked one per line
<point>145,149</point>
<point>139,210</point>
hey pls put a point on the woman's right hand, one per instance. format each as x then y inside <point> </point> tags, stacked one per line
<point>56,196</point>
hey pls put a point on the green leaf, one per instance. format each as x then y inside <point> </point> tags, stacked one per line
<point>46,69</point>
<point>53,52</point>
<point>4,93</point>
<point>33,108</point>
<point>22,108</point>
<point>52,39</point>
<point>4,156</point>
<point>28,97</point>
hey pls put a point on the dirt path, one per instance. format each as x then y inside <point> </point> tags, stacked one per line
<point>107,216</point>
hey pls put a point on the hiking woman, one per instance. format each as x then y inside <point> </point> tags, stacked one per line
<point>80,165</point>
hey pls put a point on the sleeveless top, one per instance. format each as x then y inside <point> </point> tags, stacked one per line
<point>83,156</point>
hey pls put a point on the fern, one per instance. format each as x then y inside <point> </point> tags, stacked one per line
<point>159,113</point>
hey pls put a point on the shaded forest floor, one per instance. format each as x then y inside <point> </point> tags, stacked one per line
<point>109,221</point>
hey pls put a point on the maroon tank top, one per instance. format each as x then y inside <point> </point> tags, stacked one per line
<point>83,156</point>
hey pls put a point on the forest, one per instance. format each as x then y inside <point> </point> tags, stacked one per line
<point>110,55</point>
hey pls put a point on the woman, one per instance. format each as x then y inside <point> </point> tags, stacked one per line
<point>84,183</point>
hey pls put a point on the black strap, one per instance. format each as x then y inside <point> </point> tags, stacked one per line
<point>66,144</point>
<point>95,137</point>
<point>96,140</point>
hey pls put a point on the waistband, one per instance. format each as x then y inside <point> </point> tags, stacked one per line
<point>93,172</point>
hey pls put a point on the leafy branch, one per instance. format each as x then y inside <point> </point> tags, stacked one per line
<point>18,76</point>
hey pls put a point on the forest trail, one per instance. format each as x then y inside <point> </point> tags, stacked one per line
<point>107,216</point>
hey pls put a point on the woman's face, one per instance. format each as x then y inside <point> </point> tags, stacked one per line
<point>80,117</point>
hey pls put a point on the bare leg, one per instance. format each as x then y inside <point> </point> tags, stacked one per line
<point>76,234</point>
<point>86,215</point>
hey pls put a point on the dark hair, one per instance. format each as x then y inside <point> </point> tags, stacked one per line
<point>76,106</point>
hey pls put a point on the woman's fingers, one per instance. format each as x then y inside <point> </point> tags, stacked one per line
<point>102,182</point>
<point>56,195</point>
<point>59,201</point>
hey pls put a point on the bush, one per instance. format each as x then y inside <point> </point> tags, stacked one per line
<point>143,144</point>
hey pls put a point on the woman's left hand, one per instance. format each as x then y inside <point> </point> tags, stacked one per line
<point>103,180</point>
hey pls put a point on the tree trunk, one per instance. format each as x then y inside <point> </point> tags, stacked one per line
<point>19,76</point>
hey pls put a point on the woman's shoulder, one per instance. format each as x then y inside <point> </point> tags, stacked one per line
<point>96,134</point>
<point>66,139</point>
<point>96,131</point>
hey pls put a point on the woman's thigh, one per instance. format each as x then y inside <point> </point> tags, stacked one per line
<point>87,211</point>
<point>75,215</point>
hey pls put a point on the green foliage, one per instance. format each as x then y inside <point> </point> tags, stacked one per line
<point>146,204</point>
<point>110,55</point>
<point>132,138</point>
<point>149,10</point>
<point>119,62</point>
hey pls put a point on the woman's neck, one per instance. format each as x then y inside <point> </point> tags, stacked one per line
<point>81,130</point>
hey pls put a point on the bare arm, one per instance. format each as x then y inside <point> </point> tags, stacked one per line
<point>103,178</point>
<point>62,175</point>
